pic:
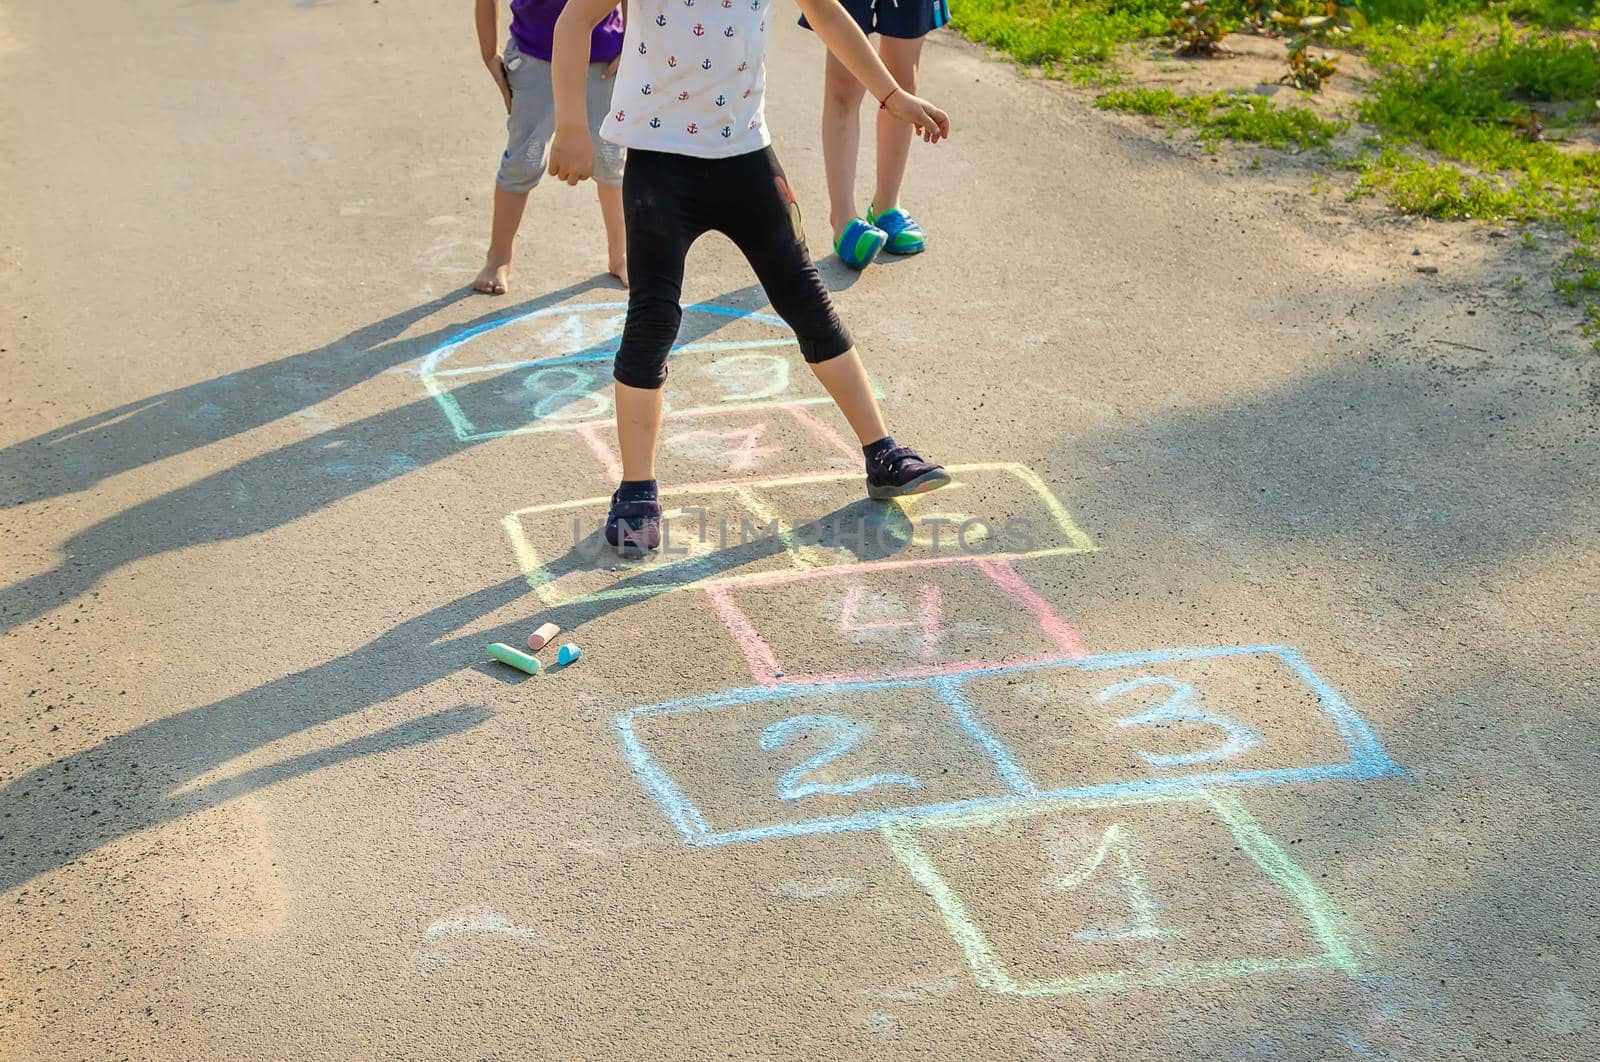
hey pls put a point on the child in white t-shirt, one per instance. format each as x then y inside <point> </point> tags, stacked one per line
<point>687,104</point>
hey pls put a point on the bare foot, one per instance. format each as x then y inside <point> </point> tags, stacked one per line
<point>618,268</point>
<point>491,280</point>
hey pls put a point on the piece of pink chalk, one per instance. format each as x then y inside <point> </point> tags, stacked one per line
<point>541,637</point>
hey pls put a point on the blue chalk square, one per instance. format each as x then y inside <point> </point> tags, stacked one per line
<point>767,762</point>
<point>755,764</point>
<point>1170,719</point>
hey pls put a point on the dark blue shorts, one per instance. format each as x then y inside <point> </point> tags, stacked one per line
<point>908,19</point>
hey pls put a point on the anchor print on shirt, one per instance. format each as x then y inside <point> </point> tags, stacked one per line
<point>621,115</point>
<point>728,32</point>
<point>744,66</point>
<point>655,123</point>
<point>672,60</point>
<point>722,101</point>
<point>646,89</point>
<point>642,48</point>
<point>705,64</point>
<point>727,131</point>
<point>699,30</point>
<point>661,20</point>
<point>683,95</point>
<point>693,129</point>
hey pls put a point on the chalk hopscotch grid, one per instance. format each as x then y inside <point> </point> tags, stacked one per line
<point>467,431</point>
<point>806,562</point>
<point>593,434</point>
<point>1327,925</point>
<point>765,665</point>
<point>899,827</point>
<point>1367,760</point>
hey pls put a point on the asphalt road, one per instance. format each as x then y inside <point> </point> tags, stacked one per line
<point>1253,717</point>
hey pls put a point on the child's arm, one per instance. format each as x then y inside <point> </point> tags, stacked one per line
<point>846,41</point>
<point>611,67</point>
<point>485,14</point>
<point>571,151</point>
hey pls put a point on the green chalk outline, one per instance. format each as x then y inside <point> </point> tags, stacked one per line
<point>539,578</point>
<point>1324,920</point>
<point>467,431</point>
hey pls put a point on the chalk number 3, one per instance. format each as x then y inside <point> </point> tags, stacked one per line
<point>847,734</point>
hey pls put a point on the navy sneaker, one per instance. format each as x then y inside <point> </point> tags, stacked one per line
<point>900,470</point>
<point>633,527</point>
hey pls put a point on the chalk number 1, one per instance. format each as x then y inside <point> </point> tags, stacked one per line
<point>1119,845</point>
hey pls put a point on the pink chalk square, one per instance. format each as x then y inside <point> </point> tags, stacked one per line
<point>738,444</point>
<point>841,624</point>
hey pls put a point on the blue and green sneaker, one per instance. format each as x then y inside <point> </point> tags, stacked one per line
<point>859,243</point>
<point>905,235</point>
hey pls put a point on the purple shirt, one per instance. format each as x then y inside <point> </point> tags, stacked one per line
<point>533,24</point>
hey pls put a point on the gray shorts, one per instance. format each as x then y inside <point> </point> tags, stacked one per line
<point>533,121</point>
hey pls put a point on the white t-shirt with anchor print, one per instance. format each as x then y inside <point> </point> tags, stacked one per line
<point>692,78</point>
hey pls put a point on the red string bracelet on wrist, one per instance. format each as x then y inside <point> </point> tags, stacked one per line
<point>884,103</point>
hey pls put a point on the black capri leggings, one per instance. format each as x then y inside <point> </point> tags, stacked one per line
<point>669,201</point>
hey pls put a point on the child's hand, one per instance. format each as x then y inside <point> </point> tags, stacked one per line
<point>932,123</point>
<point>572,155</point>
<point>497,70</point>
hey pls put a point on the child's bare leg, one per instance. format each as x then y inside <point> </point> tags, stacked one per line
<point>841,141</point>
<point>902,57</point>
<point>892,470</point>
<point>616,233</point>
<point>638,425</point>
<point>496,272</point>
<point>846,380</point>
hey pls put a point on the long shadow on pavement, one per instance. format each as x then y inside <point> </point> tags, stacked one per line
<point>276,487</point>
<point>61,811</point>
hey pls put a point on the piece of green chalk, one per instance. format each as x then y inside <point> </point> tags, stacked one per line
<point>507,655</point>
<point>568,654</point>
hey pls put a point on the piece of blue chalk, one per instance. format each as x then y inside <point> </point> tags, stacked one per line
<point>569,653</point>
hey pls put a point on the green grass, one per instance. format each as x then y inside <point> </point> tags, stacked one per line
<point>1457,82</point>
<point>1439,190</point>
<point>1058,35</point>
<point>1448,102</point>
<point>1222,116</point>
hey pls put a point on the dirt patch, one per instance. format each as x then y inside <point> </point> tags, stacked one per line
<point>1479,265</point>
<point>1255,65</point>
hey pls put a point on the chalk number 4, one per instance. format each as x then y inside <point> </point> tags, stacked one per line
<point>847,734</point>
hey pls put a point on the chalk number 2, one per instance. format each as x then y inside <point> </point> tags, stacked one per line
<point>847,734</point>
